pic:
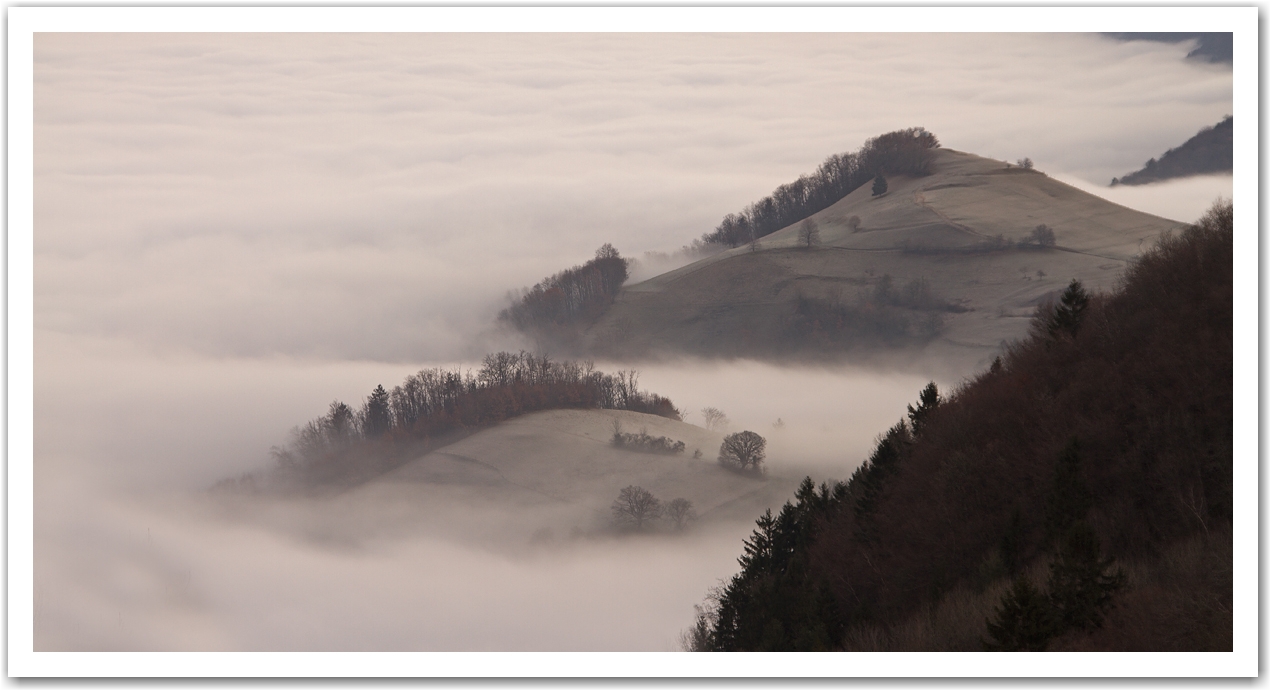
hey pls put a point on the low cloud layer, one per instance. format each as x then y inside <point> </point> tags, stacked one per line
<point>376,196</point>
<point>233,230</point>
<point>134,554</point>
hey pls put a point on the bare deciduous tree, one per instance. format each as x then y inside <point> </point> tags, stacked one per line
<point>809,233</point>
<point>715,420</point>
<point>636,506</point>
<point>1042,236</point>
<point>743,450</point>
<point>680,510</point>
<point>853,223</point>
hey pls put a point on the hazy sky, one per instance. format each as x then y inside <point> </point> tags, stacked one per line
<point>377,195</point>
<point>232,230</point>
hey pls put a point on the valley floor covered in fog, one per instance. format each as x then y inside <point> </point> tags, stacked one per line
<point>233,230</point>
<point>136,554</point>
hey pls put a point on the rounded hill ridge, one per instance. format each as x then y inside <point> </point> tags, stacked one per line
<point>953,259</point>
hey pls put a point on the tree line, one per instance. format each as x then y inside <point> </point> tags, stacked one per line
<point>353,444</point>
<point>1212,150</point>
<point>1006,515</point>
<point>903,152</point>
<point>570,298</point>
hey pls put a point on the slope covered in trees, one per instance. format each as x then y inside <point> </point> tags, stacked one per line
<point>557,306</point>
<point>348,446</point>
<point>943,266</point>
<point>1077,495</point>
<point>902,152</point>
<point>1212,150</point>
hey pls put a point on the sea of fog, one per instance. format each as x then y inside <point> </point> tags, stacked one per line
<point>135,554</point>
<point>233,230</point>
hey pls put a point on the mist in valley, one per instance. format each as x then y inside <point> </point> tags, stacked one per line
<point>264,223</point>
<point>135,552</point>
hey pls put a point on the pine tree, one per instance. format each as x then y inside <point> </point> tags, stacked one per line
<point>927,400</point>
<point>1070,499</point>
<point>879,185</point>
<point>376,416</point>
<point>1081,582</point>
<point>1070,311</point>
<point>759,547</point>
<point>1012,543</point>
<point>1024,621</point>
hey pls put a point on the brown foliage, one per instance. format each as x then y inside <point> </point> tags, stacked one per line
<point>1144,384</point>
<point>435,405</point>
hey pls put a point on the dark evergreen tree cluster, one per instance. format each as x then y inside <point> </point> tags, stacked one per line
<point>986,484</point>
<point>773,604</point>
<point>347,445</point>
<point>903,152</point>
<point>572,297</point>
<point>1081,581</point>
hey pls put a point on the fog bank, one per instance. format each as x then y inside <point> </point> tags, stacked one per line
<point>134,554</point>
<point>231,231</point>
<point>358,196</point>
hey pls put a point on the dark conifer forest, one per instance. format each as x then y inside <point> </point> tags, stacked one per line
<point>1076,495</point>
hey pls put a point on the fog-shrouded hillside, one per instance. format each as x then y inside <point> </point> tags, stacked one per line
<point>1076,495</point>
<point>542,477</point>
<point>950,264</point>
<point>1211,150</point>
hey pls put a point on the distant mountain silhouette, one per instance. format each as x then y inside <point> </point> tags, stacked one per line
<point>1212,47</point>
<point>1212,150</point>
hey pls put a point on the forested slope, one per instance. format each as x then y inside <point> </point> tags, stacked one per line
<point>1210,151</point>
<point>1076,495</point>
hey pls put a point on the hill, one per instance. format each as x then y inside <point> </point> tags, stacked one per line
<point>950,260</point>
<point>1077,495</point>
<point>557,473</point>
<point>433,408</point>
<point>1210,151</point>
<point>542,477</point>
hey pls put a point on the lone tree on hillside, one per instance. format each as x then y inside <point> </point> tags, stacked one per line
<point>879,185</point>
<point>680,510</point>
<point>635,506</point>
<point>853,223</point>
<point>808,233</point>
<point>1025,163</point>
<point>1042,236</point>
<point>714,418</point>
<point>744,450</point>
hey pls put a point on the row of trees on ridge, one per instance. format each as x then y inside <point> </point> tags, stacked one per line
<point>903,152</point>
<point>348,445</point>
<point>572,297</point>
